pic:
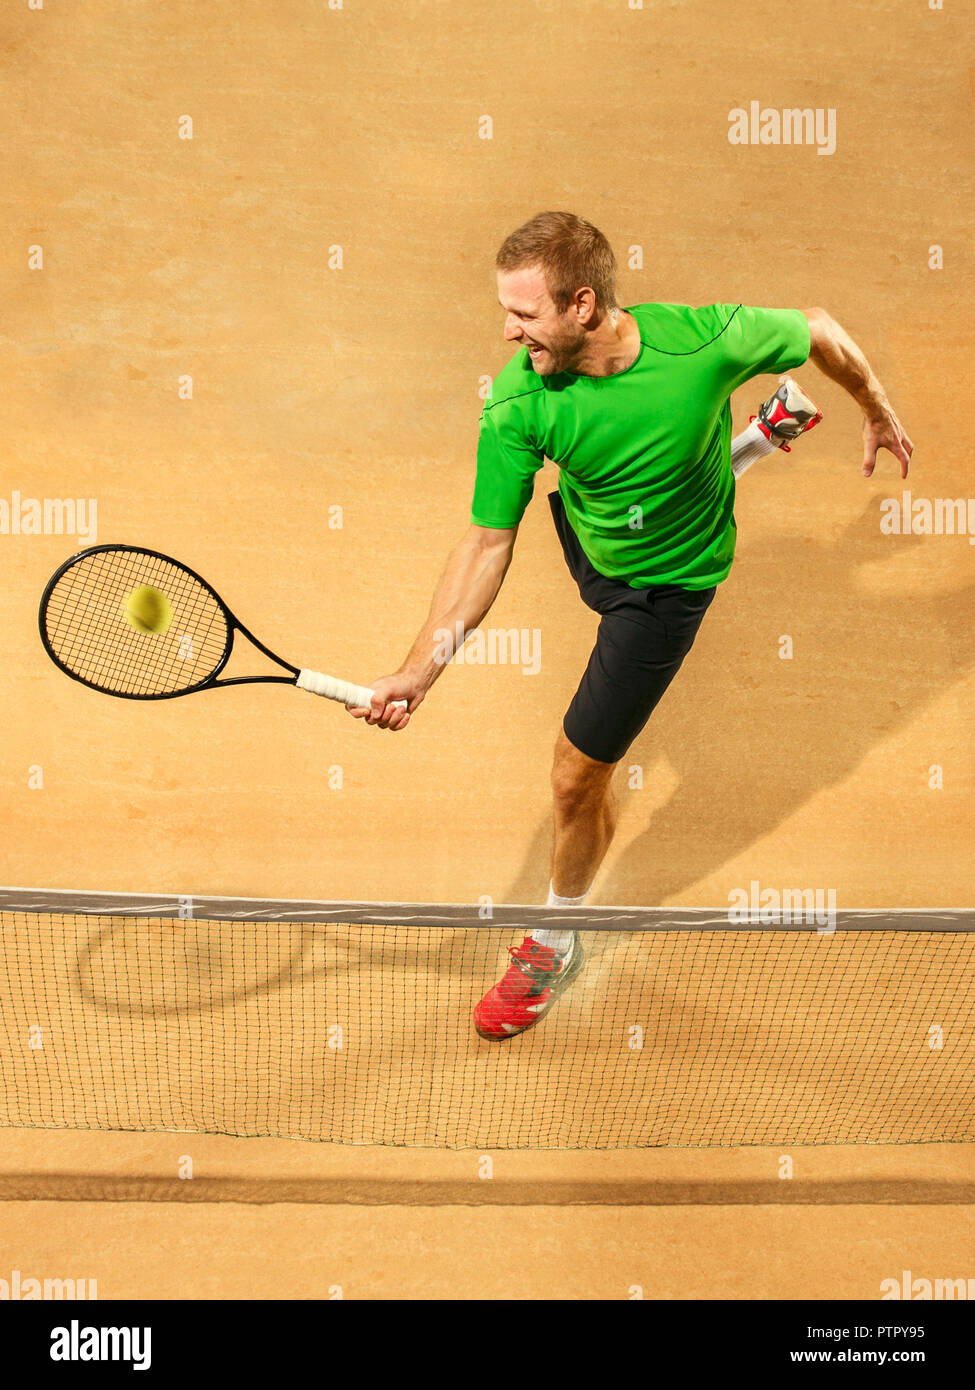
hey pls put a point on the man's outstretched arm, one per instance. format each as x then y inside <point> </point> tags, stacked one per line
<point>464,594</point>
<point>837,355</point>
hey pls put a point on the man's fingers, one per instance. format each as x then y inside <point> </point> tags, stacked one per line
<point>370,713</point>
<point>896,441</point>
<point>394,698</point>
<point>392,717</point>
<point>381,715</point>
<point>907,448</point>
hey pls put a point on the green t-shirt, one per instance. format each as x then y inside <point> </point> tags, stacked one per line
<point>645,455</point>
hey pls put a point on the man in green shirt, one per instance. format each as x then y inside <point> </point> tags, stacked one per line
<point>633,406</point>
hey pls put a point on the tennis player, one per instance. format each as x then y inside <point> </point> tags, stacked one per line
<point>633,406</point>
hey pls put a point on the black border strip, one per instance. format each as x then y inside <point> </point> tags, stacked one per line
<point>338,1191</point>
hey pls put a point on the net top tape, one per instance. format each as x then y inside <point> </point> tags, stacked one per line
<point>791,917</point>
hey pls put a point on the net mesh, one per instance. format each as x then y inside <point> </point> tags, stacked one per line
<point>361,1034</point>
<point>84,620</point>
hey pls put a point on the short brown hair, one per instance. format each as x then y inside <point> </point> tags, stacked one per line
<point>570,251</point>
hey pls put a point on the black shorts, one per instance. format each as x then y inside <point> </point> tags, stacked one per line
<point>643,637</point>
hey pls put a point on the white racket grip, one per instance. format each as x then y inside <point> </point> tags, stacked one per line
<point>331,688</point>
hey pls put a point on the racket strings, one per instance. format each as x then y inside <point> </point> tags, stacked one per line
<point>86,626</point>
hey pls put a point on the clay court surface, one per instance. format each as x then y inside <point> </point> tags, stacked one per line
<point>317,259</point>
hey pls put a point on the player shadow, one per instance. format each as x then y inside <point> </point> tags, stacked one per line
<point>749,737</point>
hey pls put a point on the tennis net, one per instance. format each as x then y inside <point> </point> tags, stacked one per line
<point>351,1023</point>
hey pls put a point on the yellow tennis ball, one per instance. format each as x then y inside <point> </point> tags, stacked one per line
<point>148,610</point>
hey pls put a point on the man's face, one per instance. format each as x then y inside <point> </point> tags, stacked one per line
<point>553,340</point>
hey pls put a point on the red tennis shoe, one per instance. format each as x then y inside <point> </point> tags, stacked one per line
<point>787,414</point>
<point>527,989</point>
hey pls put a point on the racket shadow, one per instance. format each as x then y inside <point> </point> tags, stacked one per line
<point>137,968</point>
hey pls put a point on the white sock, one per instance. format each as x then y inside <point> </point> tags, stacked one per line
<point>748,446</point>
<point>554,900</point>
<point>559,941</point>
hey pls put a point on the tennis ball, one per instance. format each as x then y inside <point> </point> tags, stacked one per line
<point>148,610</point>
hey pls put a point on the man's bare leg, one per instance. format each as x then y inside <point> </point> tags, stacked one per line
<point>585,817</point>
<point>549,959</point>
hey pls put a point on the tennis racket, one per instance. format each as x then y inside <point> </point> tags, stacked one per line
<point>86,633</point>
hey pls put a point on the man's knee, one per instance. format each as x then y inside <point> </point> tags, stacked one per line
<point>578,781</point>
